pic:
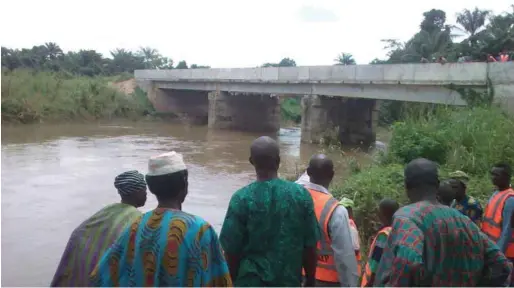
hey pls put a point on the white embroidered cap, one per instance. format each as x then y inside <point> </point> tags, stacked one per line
<point>166,163</point>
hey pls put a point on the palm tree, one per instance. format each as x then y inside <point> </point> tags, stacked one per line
<point>151,57</point>
<point>53,50</point>
<point>345,59</point>
<point>472,22</point>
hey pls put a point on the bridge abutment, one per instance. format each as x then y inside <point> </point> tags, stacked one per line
<point>189,105</point>
<point>244,112</point>
<point>354,119</point>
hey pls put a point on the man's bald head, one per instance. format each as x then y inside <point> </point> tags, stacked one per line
<point>421,179</point>
<point>321,170</point>
<point>265,153</point>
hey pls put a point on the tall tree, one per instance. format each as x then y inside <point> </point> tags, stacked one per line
<point>345,59</point>
<point>473,21</point>
<point>287,62</point>
<point>182,65</point>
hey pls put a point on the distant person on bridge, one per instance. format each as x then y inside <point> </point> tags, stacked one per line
<point>503,56</point>
<point>337,266</point>
<point>93,237</point>
<point>432,245</point>
<point>166,246</point>
<point>270,229</point>
<point>386,210</point>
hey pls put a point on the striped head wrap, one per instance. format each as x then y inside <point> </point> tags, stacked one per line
<point>129,182</point>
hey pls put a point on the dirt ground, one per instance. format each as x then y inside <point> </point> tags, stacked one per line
<point>126,87</point>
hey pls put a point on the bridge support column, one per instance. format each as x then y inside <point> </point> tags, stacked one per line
<point>244,112</point>
<point>188,105</point>
<point>359,122</point>
<point>355,119</point>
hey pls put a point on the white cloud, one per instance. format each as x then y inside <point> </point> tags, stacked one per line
<point>225,33</point>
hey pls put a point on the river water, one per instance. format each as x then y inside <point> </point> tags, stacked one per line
<point>55,176</point>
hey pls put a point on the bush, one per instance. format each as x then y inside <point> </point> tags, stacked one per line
<point>465,139</point>
<point>30,96</point>
<point>469,139</point>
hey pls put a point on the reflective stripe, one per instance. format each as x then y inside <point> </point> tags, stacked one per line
<point>325,247</point>
<point>327,266</point>
<point>367,270</point>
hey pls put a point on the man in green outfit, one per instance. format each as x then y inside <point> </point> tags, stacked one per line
<point>270,229</point>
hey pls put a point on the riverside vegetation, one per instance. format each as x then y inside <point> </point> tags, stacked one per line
<point>44,83</point>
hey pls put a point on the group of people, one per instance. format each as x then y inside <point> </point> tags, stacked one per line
<point>503,56</point>
<point>281,233</point>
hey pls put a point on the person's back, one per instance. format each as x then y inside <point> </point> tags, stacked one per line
<point>178,240</point>
<point>268,224</point>
<point>91,239</point>
<point>452,251</point>
<point>434,245</point>
<point>166,246</point>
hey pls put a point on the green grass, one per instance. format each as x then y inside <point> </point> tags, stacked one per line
<point>30,96</point>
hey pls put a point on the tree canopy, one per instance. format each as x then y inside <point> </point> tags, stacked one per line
<point>484,34</point>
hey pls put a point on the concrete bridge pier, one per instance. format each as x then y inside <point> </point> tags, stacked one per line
<point>244,112</point>
<point>189,105</point>
<point>354,119</point>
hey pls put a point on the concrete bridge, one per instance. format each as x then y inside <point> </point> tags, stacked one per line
<point>343,96</point>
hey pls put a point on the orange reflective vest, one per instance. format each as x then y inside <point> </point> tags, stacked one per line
<point>367,272</point>
<point>357,253</point>
<point>492,220</point>
<point>324,206</point>
<point>504,58</point>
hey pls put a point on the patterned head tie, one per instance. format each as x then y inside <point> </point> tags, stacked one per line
<point>460,176</point>
<point>129,182</point>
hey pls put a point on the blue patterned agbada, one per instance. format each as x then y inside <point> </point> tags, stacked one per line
<point>164,247</point>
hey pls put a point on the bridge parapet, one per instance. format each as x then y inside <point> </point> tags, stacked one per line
<point>469,74</point>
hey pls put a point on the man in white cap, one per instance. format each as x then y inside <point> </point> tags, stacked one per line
<point>166,246</point>
<point>90,240</point>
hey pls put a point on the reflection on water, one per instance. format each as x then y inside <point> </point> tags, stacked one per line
<point>55,176</point>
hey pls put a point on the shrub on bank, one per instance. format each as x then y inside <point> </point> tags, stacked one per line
<point>31,96</point>
<point>469,139</point>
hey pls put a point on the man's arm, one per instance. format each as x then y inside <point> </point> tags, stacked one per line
<point>232,235</point>
<point>344,254</point>
<point>402,261</point>
<point>497,268</point>
<point>311,237</point>
<point>508,210</point>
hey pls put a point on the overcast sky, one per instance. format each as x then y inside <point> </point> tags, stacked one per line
<point>226,33</point>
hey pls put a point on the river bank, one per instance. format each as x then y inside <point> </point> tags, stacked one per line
<point>29,96</point>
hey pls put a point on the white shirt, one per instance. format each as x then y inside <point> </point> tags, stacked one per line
<point>355,238</point>
<point>342,244</point>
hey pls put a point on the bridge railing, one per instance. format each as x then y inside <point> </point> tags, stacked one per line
<point>473,74</point>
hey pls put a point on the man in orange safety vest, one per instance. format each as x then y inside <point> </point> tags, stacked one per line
<point>336,265</point>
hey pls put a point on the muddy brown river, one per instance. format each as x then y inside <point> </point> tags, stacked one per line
<point>55,176</point>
